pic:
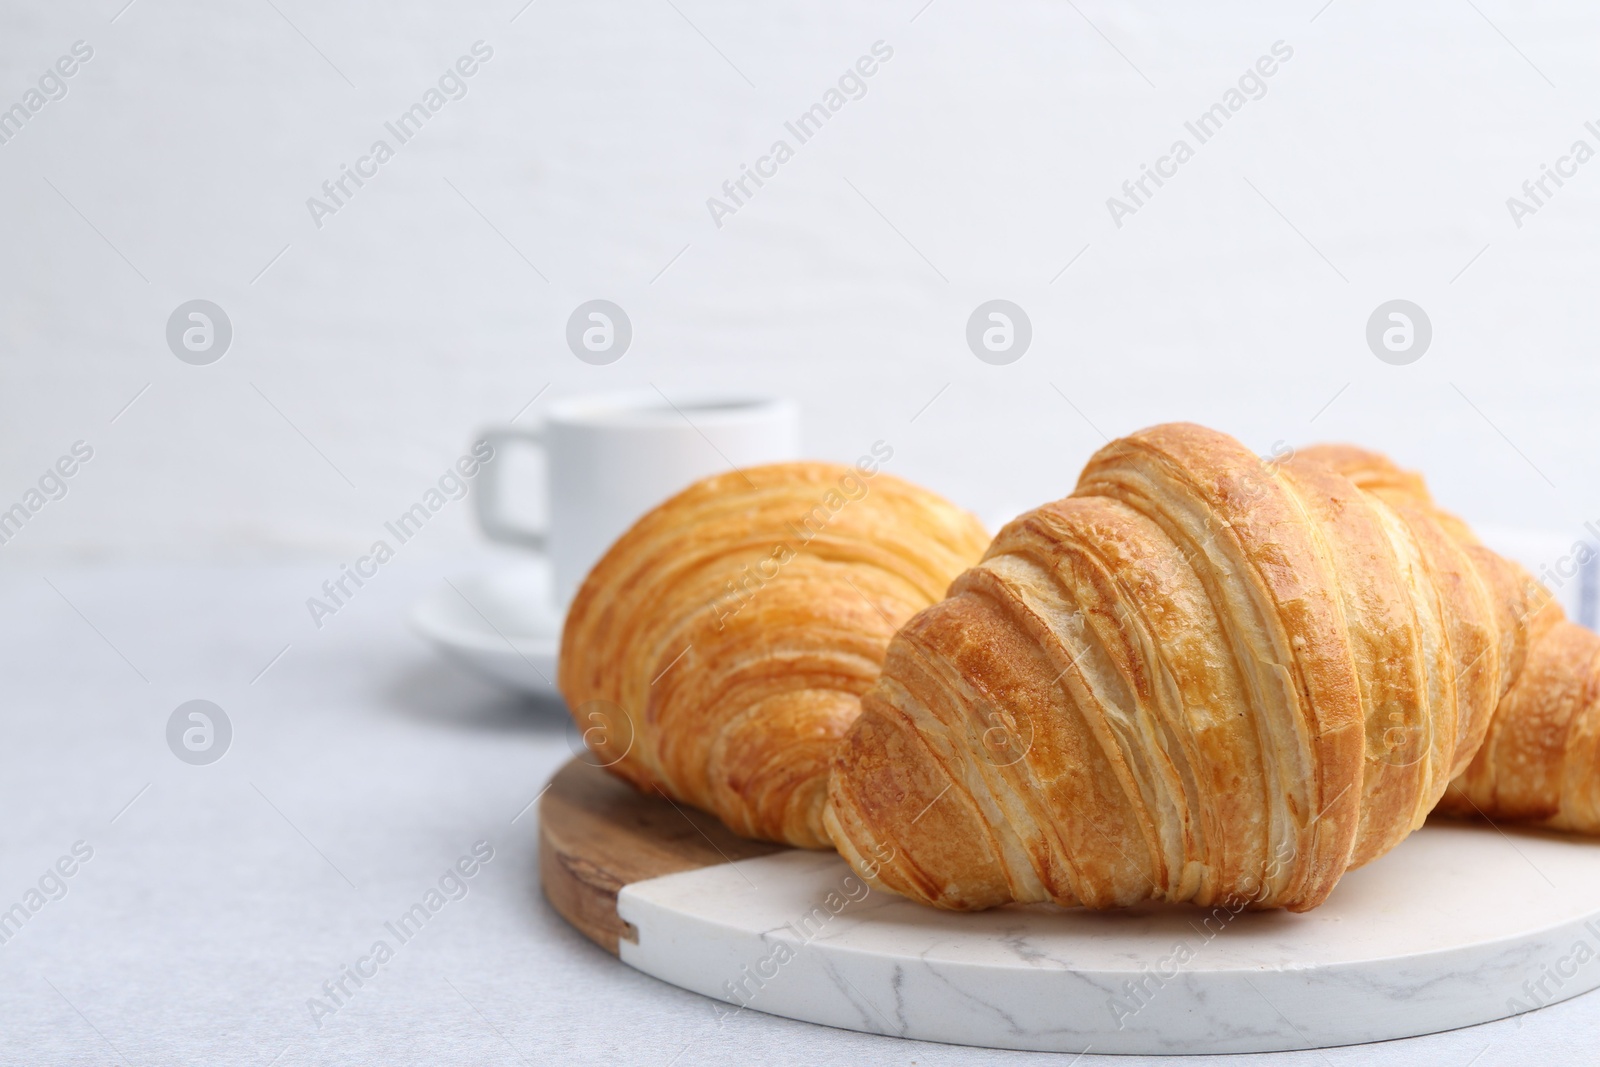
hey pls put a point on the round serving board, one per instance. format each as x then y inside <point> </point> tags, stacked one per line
<point>1461,924</point>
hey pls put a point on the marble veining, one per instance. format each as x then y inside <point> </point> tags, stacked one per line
<point>1458,925</point>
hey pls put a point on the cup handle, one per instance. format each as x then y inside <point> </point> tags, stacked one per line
<point>488,496</point>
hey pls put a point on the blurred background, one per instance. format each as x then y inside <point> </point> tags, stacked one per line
<point>976,166</point>
<point>372,336</point>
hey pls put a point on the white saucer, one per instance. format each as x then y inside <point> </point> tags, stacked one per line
<point>500,625</point>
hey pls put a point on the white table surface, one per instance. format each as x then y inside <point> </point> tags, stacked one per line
<point>361,766</point>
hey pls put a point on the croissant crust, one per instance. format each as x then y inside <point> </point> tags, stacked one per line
<point>719,650</point>
<point>1202,677</point>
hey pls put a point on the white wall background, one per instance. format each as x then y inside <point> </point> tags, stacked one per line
<point>593,138</point>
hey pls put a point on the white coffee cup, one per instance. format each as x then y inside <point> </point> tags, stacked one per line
<point>610,458</point>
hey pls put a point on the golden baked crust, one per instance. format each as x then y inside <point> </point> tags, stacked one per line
<point>1537,760</point>
<point>1202,677</point>
<point>719,649</point>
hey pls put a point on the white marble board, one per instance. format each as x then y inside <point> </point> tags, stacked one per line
<point>1459,925</point>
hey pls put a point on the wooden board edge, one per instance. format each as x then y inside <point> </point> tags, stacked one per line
<point>598,834</point>
<point>590,906</point>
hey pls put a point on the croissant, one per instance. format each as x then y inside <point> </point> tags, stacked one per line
<point>1539,762</point>
<point>719,649</point>
<point>1202,677</point>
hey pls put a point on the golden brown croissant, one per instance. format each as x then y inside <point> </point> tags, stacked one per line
<point>1539,762</point>
<point>719,649</point>
<point>1202,677</point>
